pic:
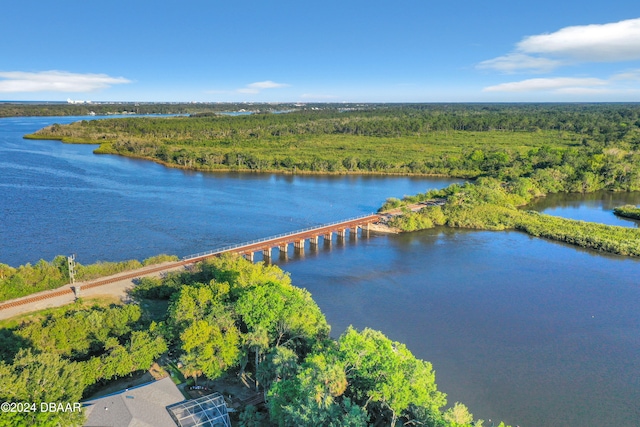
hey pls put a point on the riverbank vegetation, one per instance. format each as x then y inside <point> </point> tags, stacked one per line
<point>595,146</point>
<point>490,204</point>
<point>229,317</point>
<point>628,211</point>
<point>27,279</point>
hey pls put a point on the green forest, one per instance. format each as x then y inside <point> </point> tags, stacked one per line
<point>515,152</point>
<point>227,317</point>
<point>595,146</point>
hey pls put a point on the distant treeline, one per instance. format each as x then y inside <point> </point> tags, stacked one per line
<point>17,109</point>
<point>44,109</point>
<point>605,122</point>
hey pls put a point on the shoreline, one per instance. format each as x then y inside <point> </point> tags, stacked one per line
<point>270,171</point>
<point>385,229</point>
<point>108,151</point>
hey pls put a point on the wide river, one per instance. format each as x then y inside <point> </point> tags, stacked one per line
<point>520,329</point>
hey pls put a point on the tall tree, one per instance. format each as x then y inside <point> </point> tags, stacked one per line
<point>384,374</point>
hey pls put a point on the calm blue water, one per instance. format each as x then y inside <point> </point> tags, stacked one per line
<point>521,329</point>
<point>62,199</point>
<point>593,207</point>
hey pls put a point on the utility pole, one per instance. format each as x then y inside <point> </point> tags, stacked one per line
<point>71,260</point>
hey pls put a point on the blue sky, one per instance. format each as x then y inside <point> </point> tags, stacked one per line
<point>312,51</point>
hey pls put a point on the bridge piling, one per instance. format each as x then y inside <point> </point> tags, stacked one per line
<point>283,248</point>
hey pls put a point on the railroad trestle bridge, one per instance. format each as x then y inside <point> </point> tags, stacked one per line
<point>297,238</point>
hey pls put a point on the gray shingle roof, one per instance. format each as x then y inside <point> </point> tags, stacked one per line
<point>142,406</point>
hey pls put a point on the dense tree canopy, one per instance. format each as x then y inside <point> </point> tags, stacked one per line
<point>248,309</point>
<point>226,315</point>
<point>595,146</point>
<point>58,358</point>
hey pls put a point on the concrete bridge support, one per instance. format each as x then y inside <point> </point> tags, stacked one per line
<point>313,241</point>
<point>248,256</point>
<point>266,254</point>
<point>327,238</point>
<point>283,250</point>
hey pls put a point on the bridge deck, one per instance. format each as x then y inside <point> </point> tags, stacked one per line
<point>271,242</point>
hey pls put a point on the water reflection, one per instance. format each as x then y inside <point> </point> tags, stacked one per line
<point>593,207</point>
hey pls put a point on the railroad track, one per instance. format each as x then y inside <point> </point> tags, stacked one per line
<point>241,248</point>
<point>68,290</point>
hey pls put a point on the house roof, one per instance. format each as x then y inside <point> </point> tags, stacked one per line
<point>142,406</point>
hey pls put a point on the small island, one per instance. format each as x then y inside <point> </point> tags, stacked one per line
<point>628,211</point>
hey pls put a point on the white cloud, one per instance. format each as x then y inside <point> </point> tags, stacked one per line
<point>268,84</point>
<point>612,42</point>
<point>257,87</point>
<point>247,90</point>
<point>55,81</point>
<point>627,75</point>
<point>556,84</point>
<point>617,41</point>
<point>514,62</point>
